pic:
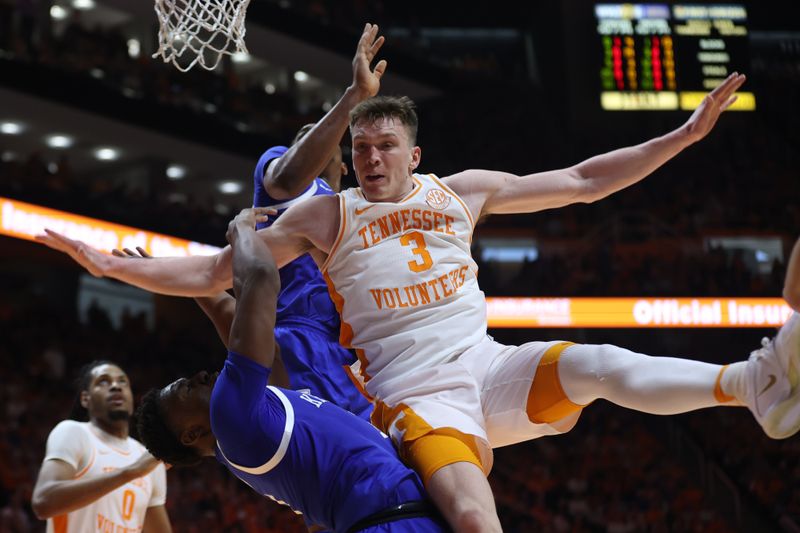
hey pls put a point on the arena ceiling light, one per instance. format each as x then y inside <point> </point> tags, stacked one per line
<point>59,141</point>
<point>300,76</point>
<point>58,13</point>
<point>11,128</point>
<point>230,187</point>
<point>176,172</point>
<point>83,4</point>
<point>270,88</point>
<point>134,48</point>
<point>240,57</point>
<point>106,153</point>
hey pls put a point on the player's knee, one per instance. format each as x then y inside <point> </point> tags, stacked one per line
<point>474,518</point>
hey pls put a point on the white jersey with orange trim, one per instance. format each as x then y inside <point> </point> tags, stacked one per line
<point>122,510</point>
<point>404,281</point>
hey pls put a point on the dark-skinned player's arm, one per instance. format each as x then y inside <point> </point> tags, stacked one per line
<point>220,309</point>
<point>256,285</point>
<point>289,175</point>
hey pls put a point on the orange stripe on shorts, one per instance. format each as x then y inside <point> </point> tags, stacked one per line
<point>547,401</point>
<point>422,447</point>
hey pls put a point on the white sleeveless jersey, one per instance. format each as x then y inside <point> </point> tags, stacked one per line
<point>121,510</point>
<point>404,281</point>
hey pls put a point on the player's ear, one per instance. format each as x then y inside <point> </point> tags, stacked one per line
<point>416,156</point>
<point>85,399</point>
<point>191,435</point>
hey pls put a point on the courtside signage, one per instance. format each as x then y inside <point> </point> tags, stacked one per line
<point>25,221</point>
<point>636,312</point>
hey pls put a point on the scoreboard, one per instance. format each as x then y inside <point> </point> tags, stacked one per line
<point>669,56</point>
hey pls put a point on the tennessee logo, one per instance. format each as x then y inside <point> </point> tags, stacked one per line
<point>437,199</point>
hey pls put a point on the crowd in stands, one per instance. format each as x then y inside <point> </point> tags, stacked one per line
<point>768,469</point>
<point>101,55</point>
<point>464,53</point>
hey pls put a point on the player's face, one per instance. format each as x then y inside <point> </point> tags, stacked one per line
<point>109,395</point>
<point>190,395</point>
<point>383,159</point>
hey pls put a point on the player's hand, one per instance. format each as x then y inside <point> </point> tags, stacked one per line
<point>127,253</point>
<point>143,465</point>
<point>248,218</point>
<point>367,80</point>
<point>92,260</point>
<point>705,116</point>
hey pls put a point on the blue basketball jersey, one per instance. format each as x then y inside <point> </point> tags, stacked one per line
<point>307,323</point>
<point>304,295</point>
<point>305,452</point>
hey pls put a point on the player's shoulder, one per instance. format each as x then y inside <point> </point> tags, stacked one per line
<point>475,180</point>
<point>268,156</point>
<point>273,152</point>
<point>69,427</point>
<point>313,204</point>
<point>136,446</point>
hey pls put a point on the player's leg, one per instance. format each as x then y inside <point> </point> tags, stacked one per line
<point>438,430</point>
<point>539,388</point>
<point>767,383</point>
<point>463,495</point>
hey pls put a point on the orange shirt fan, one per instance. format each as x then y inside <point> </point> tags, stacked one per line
<point>200,32</point>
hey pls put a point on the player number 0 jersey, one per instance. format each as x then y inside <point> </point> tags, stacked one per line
<point>404,281</point>
<point>121,510</point>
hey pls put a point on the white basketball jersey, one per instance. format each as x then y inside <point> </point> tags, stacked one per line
<point>121,510</point>
<point>404,281</point>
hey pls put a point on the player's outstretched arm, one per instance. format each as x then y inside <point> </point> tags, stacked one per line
<point>290,174</point>
<point>791,285</point>
<point>200,275</point>
<point>256,283</point>
<point>488,192</point>
<point>176,276</point>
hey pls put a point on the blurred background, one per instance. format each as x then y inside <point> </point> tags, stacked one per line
<point>90,124</point>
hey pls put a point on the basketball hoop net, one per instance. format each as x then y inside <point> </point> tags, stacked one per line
<point>200,31</point>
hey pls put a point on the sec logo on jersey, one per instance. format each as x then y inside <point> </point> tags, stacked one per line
<point>437,199</point>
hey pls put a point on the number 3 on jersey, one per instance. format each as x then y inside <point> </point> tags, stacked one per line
<point>425,261</point>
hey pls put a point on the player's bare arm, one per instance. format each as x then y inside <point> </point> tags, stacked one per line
<point>290,174</point>
<point>791,285</point>
<point>156,520</point>
<point>58,492</point>
<point>256,283</point>
<point>489,192</point>
<point>220,309</point>
<point>309,226</point>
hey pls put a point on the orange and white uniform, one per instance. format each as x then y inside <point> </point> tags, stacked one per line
<point>404,281</point>
<point>122,510</point>
<point>405,276</point>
